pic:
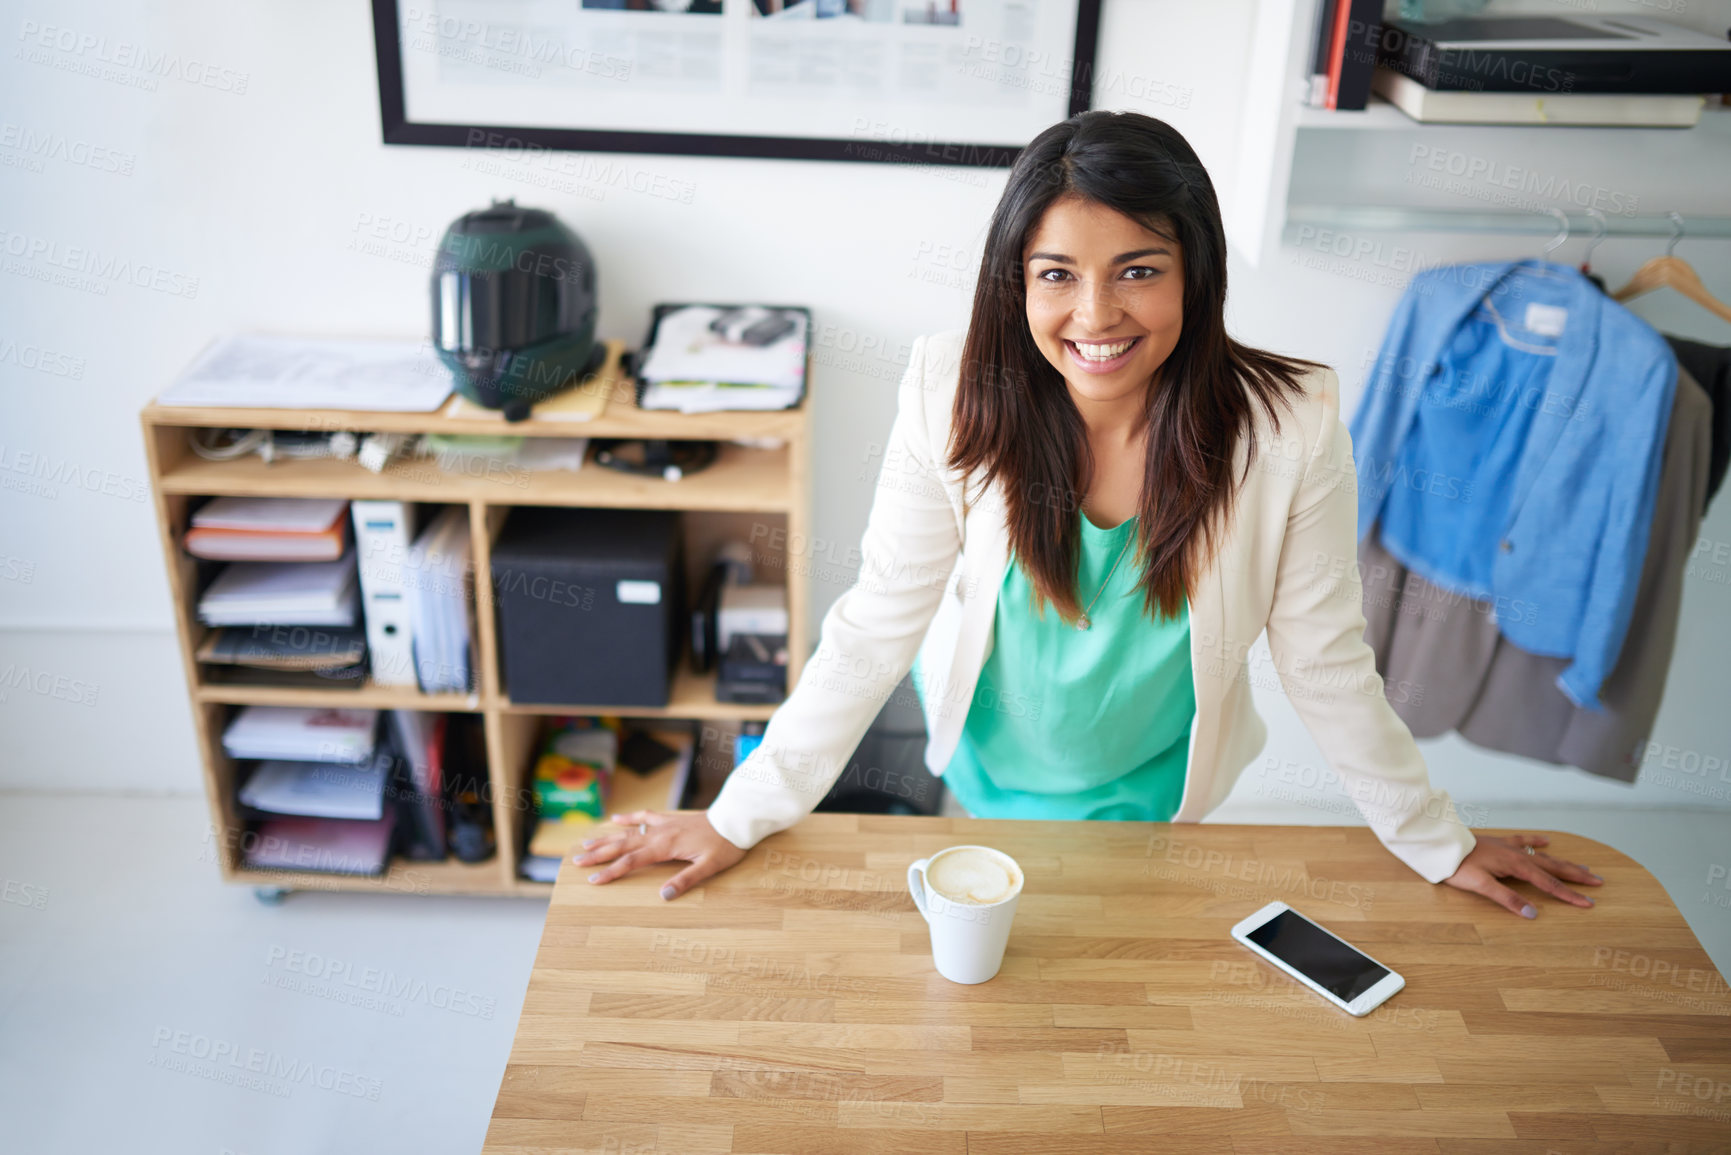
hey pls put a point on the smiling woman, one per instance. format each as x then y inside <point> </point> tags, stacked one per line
<point>1095,440</point>
<point>1109,232</point>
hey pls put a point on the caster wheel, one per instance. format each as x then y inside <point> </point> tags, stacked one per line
<point>270,895</point>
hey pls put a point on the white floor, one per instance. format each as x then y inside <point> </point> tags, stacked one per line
<point>146,1007</point>
<point>137,941</point>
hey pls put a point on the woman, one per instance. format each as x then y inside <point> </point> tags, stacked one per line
<point>1096,446</point>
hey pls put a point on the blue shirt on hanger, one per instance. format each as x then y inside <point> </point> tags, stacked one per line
<point>1509,439</point>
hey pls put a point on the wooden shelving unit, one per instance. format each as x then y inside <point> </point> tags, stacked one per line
<point>752,491</point>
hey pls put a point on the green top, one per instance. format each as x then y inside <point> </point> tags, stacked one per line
<point>1077,724</point>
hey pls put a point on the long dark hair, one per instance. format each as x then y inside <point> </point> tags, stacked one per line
<point>1014,421</point>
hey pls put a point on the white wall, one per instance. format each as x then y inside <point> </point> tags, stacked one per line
<point>267,199</point>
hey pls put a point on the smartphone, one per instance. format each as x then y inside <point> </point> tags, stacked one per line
<point>1324,962</point>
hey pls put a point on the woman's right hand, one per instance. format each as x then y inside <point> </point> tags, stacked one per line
<point>649,837</point>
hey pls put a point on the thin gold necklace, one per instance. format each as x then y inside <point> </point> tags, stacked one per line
<point>1085,621</point>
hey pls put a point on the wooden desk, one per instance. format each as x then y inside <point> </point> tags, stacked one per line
<point>790,1006</point>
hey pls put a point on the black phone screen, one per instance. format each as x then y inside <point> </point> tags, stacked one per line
<point>1318,955</point>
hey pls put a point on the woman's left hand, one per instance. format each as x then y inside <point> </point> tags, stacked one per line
<point>1510,857</point>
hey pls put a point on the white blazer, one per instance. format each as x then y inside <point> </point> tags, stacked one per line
<point>929,578</point>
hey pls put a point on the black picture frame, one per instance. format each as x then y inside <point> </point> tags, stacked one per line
<point>398,129</point>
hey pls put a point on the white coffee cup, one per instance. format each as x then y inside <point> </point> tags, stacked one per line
<point>968,936</point>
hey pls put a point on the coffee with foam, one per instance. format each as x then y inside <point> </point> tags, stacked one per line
<point>974,875</point>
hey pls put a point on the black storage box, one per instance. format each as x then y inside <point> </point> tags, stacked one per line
<point>589,601</point>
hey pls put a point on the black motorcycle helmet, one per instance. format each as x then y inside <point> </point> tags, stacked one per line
<point>514,307</point>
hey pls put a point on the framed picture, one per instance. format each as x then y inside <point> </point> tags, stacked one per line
<point>951,82</point>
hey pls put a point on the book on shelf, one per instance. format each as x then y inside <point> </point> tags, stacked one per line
<point>418,738</point>
<point>437,584</point>
<point>1352,53</point>
<point>1616,110</point>
<point>279,529</point>
<point>384,534</point>
<point>1321,48</point>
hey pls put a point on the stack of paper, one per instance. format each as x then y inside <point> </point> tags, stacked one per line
<point>273,655</point>
<point>694,369</point>
<point>269,372</point>
<point>270,529</point>
<point>282,593</point>
<point>436,580</point>
<point>327,845</point>
<point>283,648</point>
<point>319,789</point>
<point>303,734</point>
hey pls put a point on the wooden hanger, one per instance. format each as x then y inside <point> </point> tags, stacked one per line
<point>1669,272</point>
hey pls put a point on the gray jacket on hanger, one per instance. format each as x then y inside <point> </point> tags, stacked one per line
<point>1499,696</point>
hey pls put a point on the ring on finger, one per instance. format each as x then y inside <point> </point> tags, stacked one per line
<point>643,828</point>
<point>1529,850</point>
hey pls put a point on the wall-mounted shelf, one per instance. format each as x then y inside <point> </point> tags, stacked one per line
<point>1385,218</point>
<point>1378,114</point>
<point>1378,170</point>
